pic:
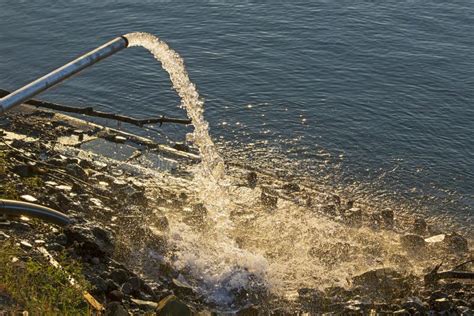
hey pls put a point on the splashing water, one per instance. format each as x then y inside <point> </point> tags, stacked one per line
<point>213,190</point>
<point>212,164</point>
<point>244,247</point>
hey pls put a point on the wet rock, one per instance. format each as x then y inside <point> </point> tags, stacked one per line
<point>435,239</point>
<point>412,242</point>
<point>95,242</point>
<point>77,171</point>
<point>349,204</point>
<point>3,236</point>
<point>115,296</point>
<point>456,243</point>
<point>291,187</point>
<point>441,304</point>
<point>388,218</point>
<point>419,226</point>
<point>111,285</point>
<point>383,281</point>
<point>26,245</point>
<point>99,285</point>
<point>172,306</point>
<point>252,179</point>
<point>119,276</point>
<point>115,309</point>
<point>269,200</point>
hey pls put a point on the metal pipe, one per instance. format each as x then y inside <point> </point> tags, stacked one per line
<point>9,207</point>
<point>53,78</point>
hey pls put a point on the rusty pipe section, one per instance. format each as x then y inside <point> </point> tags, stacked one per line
<point>53,78</point>
<point>17,208</point>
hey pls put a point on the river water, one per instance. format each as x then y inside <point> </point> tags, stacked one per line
<point>374,98</point>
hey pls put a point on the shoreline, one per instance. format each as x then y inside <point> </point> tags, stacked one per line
<point>46,146</point>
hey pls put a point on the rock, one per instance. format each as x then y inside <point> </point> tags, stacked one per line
<point>95,242</point>
<point>145,305</point>
<point>419,226</point>
<point>25,170</point>
<point>438,294</point>
<point>115,296</point>
<point>115,309</point>
<point>291,187</point>
<point>127,288</point>
<point>172,306</point>
<point>111,285</point>
<point>388,218</point>
<point>76,170</point>
<point>337,200</point>
<point>95,261</point>
<point>383,281</point>
<point>3,236</point>
<point>119,276</point>
<point>26,245</point>
<point>252,179</point>
<point>349,204</point>
<point>412,242</point>
<point>441,304</point>
<point>99,284</point>
<point>401,312</point>
<point>120,139</point>
<point>456,243</point>
<point>269,200</point>
<point>435,239</point>
<point>29,198</point>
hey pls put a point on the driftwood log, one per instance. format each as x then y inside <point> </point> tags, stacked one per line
<point>434,276</point>
<point>91,112</point>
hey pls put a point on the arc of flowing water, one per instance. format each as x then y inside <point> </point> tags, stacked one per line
<point>212,165</point>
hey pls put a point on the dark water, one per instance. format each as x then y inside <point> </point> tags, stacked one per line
<point>379,93</point>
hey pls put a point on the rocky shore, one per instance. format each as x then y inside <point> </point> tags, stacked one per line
<point>42,161</point>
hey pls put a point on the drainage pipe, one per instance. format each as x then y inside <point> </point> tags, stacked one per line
<point>53,78</point>
<point>17,208</point>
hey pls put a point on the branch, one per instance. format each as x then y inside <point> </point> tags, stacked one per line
<point>91,112</point>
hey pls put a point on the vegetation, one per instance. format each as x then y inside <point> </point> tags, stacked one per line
<point>39,287</point>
